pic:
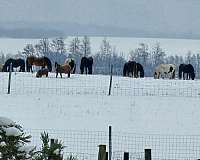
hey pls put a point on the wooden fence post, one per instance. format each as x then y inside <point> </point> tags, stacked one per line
<point>110,85</point>
<point>9,79</point>
<point>126,155</point>
<point>102,152</point>
<point>147,153</point>
<point>110,142</point>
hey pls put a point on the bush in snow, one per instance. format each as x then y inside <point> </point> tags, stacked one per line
<point>49,151</point>
<point>13,141</point>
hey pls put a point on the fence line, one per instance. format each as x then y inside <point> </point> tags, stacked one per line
<point>84,144</point>
<point>27,83</point>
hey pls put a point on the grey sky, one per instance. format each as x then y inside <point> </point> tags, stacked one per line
<point>161,15</point>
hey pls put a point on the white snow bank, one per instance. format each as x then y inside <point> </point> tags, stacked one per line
<point>12,131</point>
<point>2,144</point>
<point>6,121</point>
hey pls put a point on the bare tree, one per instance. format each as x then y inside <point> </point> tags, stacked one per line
<point>85,46</point>
<point>28,50</point>
<point>158,55</point>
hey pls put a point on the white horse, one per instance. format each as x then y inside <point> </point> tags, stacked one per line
<point>165,70</point>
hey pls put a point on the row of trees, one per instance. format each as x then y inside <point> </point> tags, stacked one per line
<point>57,50</point>
<point>150,58</point>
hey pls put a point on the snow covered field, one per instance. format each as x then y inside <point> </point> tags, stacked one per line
<point>142,107</point>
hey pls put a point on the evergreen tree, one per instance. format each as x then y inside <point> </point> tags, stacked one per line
<point>13,141</point>
<point>49,151</point>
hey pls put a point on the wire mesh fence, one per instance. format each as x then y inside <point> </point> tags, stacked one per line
<point>27,83</point>
<point>84,144</point>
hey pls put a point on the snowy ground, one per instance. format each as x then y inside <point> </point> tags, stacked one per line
<point>139,106</point>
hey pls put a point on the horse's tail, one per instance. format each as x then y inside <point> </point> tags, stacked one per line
<point>173,74</point>
<point>49,65</point>
<point>125,69</point>
<point>22,65</point>
<point>74,70</point>
<point>180,71</point>
<point>56,65</point>
<point>192,73</point>
<point>27,65</point>
<point>83,60</point>
<point>141,72</point>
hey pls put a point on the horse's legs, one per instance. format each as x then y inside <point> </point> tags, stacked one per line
<point>69,75</point>
<point>60,74</point>
<point>158,75</point>
<point>86,70</point>
<point>31,68</point>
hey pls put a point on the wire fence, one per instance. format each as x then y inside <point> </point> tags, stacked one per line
<point>84,144</point>
<point>27,83</point>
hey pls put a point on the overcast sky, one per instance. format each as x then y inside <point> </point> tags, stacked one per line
<point>153,14</point>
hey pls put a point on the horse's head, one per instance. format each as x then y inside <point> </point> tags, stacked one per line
<point>192,75</point>
<point>155,75</point>
<point>56,64</point>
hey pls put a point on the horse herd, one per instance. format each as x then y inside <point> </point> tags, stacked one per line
<point>130,69</point>
<point>68,67</point>
<point>134,69</point>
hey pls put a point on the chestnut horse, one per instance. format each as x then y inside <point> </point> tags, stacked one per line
<point>38,61</point>
<point>64,68</point>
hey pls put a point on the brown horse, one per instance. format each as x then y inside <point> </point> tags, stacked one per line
<point>64,68</point>
<point>41,72</point>
<point>42,61</point>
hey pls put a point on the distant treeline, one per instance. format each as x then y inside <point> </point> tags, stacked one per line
<point>58,51</point>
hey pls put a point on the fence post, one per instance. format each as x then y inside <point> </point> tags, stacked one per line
<point>147,153</point>
<point>110,86</point>
<point>106,155</point>
<point>126,155</point>
<point>110,142</point>
<point>9,79</point>
<point>102,152</point>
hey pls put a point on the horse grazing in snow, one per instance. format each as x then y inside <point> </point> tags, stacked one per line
<point>38,61</point>
<point>72,64</point>
<point>41,72</point>
<point>86,65</point>
<point>64,68</point>
<point>164,70</point>
<point>15,63</point>
<point>187,69</point>
<point>132,69</point>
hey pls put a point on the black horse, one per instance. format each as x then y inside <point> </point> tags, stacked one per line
<point>15,63</point>
<point>187,69</point>
<point>139,69</point>
<point>131,68</point>
<point>86,64</point>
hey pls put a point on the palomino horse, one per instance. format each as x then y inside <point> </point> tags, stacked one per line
<point>72,64</point>
<point>41,61</point>
<point>165,70</point>
<point>187,69</point>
